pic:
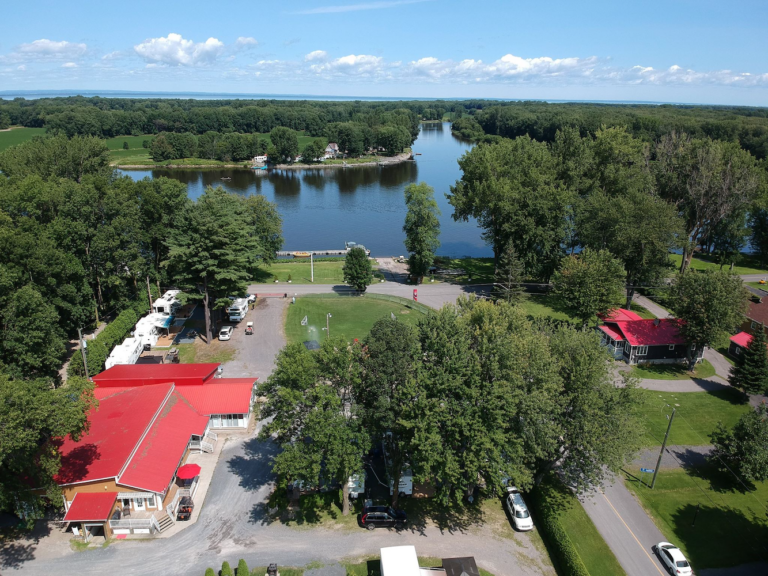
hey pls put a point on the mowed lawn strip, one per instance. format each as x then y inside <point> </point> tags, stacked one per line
<point>745,264</point>
<point>673,371</point>
<point>326,272</point>
<point>730,523</point>
<point>15,136</point>
<point>352,317</point>
<point>696,417</point>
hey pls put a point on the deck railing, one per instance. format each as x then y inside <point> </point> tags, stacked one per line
<point>201,445</point>
<point>135,524</point>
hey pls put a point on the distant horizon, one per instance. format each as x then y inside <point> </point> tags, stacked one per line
<point>198,95</point>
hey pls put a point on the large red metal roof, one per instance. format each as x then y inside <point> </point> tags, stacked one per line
<point>159,454</point>
<point>147,374</point>
<point>90,507</point>
<point>651,332</point>
<point>115,428</point>
<point>612,332</point>
<point>620,315</point>
<point>220,396</point>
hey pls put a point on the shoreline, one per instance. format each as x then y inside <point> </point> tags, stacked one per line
<point>381,161</point>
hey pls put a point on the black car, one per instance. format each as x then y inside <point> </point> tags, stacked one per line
<point>386,516</point>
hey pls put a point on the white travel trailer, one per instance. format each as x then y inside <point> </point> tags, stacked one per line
<point>126,353</point>
<point>168,304</point>
<point>399,561</point>
<point>238,309</point>
<point>149,328</point>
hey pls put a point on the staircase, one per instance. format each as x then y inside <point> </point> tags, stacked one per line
<point>164,521</point>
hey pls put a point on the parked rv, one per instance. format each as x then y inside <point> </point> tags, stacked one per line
<point>168,304</point>
<point>238,309</point>
<point>126,353</point>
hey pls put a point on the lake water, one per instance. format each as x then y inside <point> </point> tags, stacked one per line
<point>323,208</point>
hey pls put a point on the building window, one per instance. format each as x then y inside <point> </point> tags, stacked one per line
<point>642,350</point>
<point>151,502</point>
<point>627,346</point>
<point>671,346</point>
<point>737,350</point>
<point>693,346</point>
<point>754,325</point>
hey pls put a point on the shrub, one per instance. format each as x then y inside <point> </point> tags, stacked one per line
<point>242,568</point>
<point>210,572</point>
<point>226,570</point>
<point>290,278</point>
<point>125,146</point>
<point>557,539</point>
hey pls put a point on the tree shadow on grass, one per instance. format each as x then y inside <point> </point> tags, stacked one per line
<point>717,536</point>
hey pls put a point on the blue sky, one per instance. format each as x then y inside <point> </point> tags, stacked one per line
<point>701,51</point>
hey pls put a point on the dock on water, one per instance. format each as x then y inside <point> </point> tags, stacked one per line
<point>308,253</point>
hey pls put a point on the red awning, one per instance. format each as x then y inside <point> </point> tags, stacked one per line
<point>742,339</point>
<point>188,471</point>
<point>91,507</point>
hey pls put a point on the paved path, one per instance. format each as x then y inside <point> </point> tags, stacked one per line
<point>651,306</point>
<point>626,528</point>
<point>687,385</point>
<point>233,525</point>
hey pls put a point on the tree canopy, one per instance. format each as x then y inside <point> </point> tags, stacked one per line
<point>422,228</point>
<point>744,449</point>
<point>357,269</point>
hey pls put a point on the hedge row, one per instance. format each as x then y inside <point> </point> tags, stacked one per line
<point>553,533</point>
<point>99,348</point>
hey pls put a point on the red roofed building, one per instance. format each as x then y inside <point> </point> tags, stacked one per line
<point>638,341</point>
<point>149,419</point>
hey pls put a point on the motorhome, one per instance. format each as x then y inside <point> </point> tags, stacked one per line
<point>238,309</point>
<point>168,304</point>
<point>126,353</point>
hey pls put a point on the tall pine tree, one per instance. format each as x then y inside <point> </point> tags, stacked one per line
<point>751,370</point>
<point>509,276</point>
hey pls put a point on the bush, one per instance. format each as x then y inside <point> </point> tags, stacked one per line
<point>210,572</point>
<point>242,568</point>
<point>552,532</point>
<point>226,570</point>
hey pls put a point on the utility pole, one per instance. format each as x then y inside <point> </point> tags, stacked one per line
<point>312,267</point>
<point>663,445</point>
<point>83,346</point>
<point>328,324</point>
<point>149,293</point>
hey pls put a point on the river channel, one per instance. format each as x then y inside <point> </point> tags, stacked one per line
<point>322,208</point>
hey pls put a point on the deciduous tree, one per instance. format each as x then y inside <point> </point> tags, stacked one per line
<point>422,228</point>
<point>286,143</point>
<point>744,449</point>
<point>357,269</point>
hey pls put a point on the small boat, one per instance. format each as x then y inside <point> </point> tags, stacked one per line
<point>226,178</point>
<point>301,254</point>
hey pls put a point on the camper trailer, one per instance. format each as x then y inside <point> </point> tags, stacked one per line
<point>238,309</point>
<point>168,304</point>
<point>126,353</point>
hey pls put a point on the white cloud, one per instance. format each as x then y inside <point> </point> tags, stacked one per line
<point>45,48</point>
<point>69,65</point>
<point>359,7</point>
<point>246,42</point>
<point>316,55</point>
<point>353,65</point>
<point>174,50</point>
<point>21,67</point>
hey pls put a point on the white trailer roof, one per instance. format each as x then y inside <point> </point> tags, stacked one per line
<point>399,561</point>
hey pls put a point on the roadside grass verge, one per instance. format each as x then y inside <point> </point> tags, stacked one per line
<point>744,263</point>
<point>18,135</point>
<point>642,312</point>
<point>326,272</point>
<point>673,371</point>
<point>708,514</point>
<point>696,417</point>
<point>351,316</point>
<point>763,287</point>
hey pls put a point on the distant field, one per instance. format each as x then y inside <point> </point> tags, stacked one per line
<point>15,136</point>
<point>134,142</point>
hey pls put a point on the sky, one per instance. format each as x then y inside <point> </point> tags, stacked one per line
<point>690,51</point>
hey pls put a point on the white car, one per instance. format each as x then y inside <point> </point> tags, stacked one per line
<point>672,558</point>
<point>518,510</point>
<point>251,298</point>
<point>226,332</point>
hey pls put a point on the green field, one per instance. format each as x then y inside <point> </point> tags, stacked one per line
<point>18,135</point>
<point>545,307</point>
<point>673,371</point>
<point>351,316</point>
<point>642,312</point>
<point>731,527</point>
<point>745,264</point>
<point>696,417</point>
<point>299,270</point>
<point>134,142</point>
<point>478,270</point>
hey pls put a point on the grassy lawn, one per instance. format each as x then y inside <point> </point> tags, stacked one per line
<point>763,287</point>
<point>731,526</point>
<point>326,272</point>
<point>673,371</point>
<point>351,316</point>
<point>593,551</point>
<point>541,306</point>
<point>15,136</point>
<point>745,264</point>
<point>134,142</point>
<point>200,352</point>
<point>478,270</point>
<point>642,312</point>
<point>696,417</point>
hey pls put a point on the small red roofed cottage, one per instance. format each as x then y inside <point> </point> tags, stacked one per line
<point>120,477</point>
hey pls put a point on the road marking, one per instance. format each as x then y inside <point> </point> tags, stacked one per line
<point>633,534</point>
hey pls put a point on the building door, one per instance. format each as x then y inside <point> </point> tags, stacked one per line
<point>139,504</point>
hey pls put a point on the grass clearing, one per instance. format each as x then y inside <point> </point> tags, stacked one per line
<point>673,371</point>
<point>220,352</point>
<point>696,417</point>
<point>134,142</point>
<point>744,263</point>
<point>18,135</point>
<point>326,272</point>
<point>643,312</point>
<point>763,287</point>
<point>731,527</point>
<point>477,270</point>
<point>351,316</point>
<point>544,306</point>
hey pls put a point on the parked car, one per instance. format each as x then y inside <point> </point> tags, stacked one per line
<point>382,516</point>
<point>672,558</point>
<point>226,332</point>
<point>251,298</point>
<point>521,517</point>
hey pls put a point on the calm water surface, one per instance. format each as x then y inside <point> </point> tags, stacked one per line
<point>323,208</point>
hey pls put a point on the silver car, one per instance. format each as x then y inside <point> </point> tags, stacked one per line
<point>226,332</point>
<point>672,558</point>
